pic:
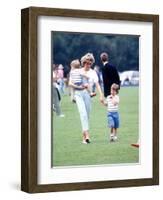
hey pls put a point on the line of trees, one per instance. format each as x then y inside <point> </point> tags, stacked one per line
<point>123,50</point>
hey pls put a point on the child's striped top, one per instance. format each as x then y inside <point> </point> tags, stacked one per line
<point>76,76</point>
<point>112,103</point>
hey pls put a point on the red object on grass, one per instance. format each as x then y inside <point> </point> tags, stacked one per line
<point>135,145</point>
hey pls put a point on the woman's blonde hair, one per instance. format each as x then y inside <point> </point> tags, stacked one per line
<point>75,64</point>
<point>87,57</point>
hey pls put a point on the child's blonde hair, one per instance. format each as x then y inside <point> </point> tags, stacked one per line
<point>75,64</point>
<point>115,87</point>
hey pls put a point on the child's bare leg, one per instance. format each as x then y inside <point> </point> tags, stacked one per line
<point>111,131</point>
<point>115,131</point>
<point>115,134</point>
<point>111,134</point>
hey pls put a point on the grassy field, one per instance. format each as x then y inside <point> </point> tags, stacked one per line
<point>68,149</point>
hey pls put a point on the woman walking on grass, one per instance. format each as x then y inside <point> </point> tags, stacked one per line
<point>82,96</point>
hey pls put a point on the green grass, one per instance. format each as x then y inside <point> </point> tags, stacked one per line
<point>68,149</point>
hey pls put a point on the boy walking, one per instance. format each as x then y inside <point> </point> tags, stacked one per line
<point>112,102</point>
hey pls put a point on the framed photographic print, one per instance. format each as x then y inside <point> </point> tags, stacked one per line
<point>90,99</point>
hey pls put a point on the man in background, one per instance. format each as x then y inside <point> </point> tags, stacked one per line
<point>109,74</point>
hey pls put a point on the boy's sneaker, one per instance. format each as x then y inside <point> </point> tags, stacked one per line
<point>87,141</point>
<point>115,138</point>
<point>111,138</point>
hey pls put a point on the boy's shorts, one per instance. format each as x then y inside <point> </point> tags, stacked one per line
<point>113,119</point>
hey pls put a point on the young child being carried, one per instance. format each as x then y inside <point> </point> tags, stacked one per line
<point>112,102</point>
<point>78,78</point>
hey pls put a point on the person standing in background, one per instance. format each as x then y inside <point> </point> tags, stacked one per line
<point>109,74</point>
<point>60,80</point>
<point>56,95</point>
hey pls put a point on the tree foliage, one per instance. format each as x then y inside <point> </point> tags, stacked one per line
<point>123,50</point>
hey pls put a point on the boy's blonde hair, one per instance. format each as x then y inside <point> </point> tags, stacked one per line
<point>115,87</point>
<point>75,64</point>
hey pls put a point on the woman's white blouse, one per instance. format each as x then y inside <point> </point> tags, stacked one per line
<point>92,75</point>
